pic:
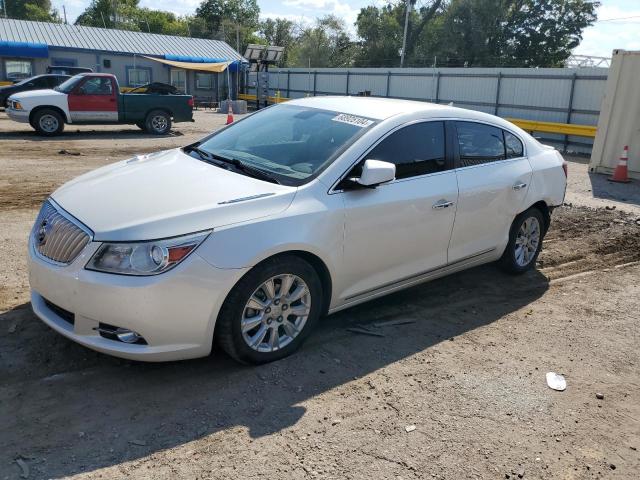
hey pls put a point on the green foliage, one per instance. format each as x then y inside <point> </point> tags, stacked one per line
<point>36,10</point>
<point>234,21</point>
<point>527,33</point>
<point>326,44</point>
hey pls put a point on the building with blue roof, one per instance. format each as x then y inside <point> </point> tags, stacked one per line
<point>28,48</point>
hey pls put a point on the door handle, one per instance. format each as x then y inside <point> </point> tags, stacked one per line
<point>442,204</point>
<point>519,186</point>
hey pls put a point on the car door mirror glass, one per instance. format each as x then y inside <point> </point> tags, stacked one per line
<point>376,172</point>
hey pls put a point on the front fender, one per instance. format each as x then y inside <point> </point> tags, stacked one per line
<point>308,225</point>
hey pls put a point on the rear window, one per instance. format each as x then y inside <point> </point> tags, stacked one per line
<point>479,143</point>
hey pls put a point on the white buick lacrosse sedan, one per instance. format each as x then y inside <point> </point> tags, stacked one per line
<point>247,237</point>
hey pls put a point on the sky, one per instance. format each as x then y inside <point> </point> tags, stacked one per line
<point>618,23</point>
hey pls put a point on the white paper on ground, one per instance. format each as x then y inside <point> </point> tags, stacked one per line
<point>556,381</point>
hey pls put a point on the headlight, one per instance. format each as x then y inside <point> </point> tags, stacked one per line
<point>144,258</point>
<point>17,105</point>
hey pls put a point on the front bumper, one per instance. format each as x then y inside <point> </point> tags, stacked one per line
<point>21,116</point>
<point>175,311</point>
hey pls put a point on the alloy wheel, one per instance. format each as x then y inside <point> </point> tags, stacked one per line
<point>276,313</point>
<point>527,241</point>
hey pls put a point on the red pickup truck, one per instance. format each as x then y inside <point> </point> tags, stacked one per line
<point>95,98</point>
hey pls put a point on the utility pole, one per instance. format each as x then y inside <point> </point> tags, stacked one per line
<point>4,6</point>
<point>64,11</point>
<point>404,36</point>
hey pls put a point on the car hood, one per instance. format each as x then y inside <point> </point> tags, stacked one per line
<point>36,94</point>
<point>167,194</point>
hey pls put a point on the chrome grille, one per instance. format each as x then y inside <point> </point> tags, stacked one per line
<point>57,237</point>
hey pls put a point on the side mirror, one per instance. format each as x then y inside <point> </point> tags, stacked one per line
<point>376,172</point>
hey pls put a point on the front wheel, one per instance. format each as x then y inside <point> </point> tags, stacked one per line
<point>525,242</point>
<point>271,311</point>
<point>158,122</point>
<point>47,122</point>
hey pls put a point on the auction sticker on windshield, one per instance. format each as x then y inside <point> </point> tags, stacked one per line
<point>353,120</point>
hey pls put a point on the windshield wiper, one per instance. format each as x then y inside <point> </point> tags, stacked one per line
<point>238,164</point>
<point>203,154</point>
<point>246,168</point>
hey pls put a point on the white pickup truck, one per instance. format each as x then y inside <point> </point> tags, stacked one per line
<point>95,98</point>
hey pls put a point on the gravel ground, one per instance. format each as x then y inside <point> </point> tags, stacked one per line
<point>457,392</point>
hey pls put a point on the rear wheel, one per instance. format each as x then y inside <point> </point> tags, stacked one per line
<point>525,242</point>
<point>158,122</point>
<point>47,122</point>
<point>271,311</point>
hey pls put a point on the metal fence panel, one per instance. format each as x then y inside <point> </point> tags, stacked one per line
<point>545,94</point>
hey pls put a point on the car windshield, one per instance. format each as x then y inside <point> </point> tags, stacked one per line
<point>25,81</point>
<point>291,143</point>
<point>70,84</point>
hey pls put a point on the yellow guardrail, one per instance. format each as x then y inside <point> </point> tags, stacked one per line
<point>4,84</point>
<point>252,98</point>
<point>553,127</point>
<point>528,125</point>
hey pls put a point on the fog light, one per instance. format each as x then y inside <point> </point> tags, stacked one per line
<point>127,336</point>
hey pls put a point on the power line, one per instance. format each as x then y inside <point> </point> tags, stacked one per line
<point>617,19</point>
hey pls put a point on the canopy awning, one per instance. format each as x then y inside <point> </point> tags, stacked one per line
<point>23,49</point>
<point>199,66</point>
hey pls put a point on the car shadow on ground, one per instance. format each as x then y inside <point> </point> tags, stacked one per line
<point>69,134</point>
<point>70,410</point>
<point>601,187</point>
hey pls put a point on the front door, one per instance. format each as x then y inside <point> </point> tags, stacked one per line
<point>95,100</point>
<point>493,178</point>
<point>401,229</point>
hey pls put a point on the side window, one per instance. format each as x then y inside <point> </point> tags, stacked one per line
<point>40,82</point>
<point>479,143</point>
<point>52,81</point>
<point>417,149</point>
<point>97,86</point>
<point>513,145</point>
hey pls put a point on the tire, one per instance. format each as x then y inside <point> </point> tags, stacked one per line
<point>273,315</point>
<point>519,257</point>
<point>158,122</point>
<point>47,122</point>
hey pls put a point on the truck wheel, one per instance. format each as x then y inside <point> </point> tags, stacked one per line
<point>48,122</point>
<point>158,122</point>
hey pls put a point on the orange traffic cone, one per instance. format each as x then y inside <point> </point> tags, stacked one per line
<point>229,113</point>
<point>620,173</point>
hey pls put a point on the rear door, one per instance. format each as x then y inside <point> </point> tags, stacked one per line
<point>401,229</point>
<point>95,100</point>
<point>493,178</point>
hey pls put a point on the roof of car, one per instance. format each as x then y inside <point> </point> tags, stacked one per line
<point>381,108</point>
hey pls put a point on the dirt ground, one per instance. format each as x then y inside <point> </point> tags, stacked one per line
<point>468,371</point>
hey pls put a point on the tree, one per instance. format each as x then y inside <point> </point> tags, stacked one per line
<point>542,33</point>
<point>157,21</point>
<point>526,33</point>
<point>279,32</point>
<point>109,14</point>
<point>37,10</point>
<point>382,29</point>
<point>229,20</point>
<point>326,44</point>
